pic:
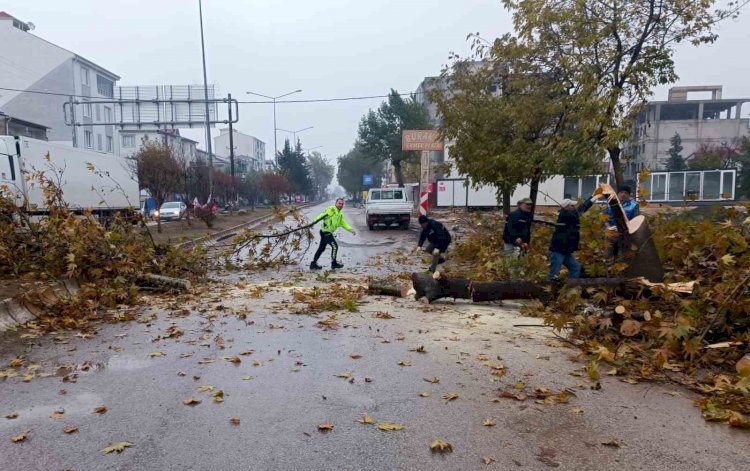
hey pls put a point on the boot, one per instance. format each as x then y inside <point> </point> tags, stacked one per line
<point>335,264</point>
<point>314,266</point>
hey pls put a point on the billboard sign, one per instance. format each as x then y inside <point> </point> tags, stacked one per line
<point>421,139</point>
<point>367,180</point>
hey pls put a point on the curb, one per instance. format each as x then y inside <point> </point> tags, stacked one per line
<point>26,307</point>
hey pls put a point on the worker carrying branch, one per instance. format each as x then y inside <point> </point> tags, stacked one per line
<point>439,239</point>
<point>332,218</point>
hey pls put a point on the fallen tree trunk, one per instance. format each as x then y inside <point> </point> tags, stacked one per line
<point>389,287</point>
<point>433,289</point>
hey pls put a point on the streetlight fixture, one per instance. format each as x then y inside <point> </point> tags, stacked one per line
<point>311,148</point>
<point>296,132</point>
<point>274,98</point>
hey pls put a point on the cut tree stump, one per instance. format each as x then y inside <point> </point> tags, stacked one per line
<point>389,287</point>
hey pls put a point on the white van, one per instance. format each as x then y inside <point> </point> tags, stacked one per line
<point>389,206</point>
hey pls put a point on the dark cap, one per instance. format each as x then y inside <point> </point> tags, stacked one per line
<point>423,219</point>
<point>525,201</point>
<point>625,188</point>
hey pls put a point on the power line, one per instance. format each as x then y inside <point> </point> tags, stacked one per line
<point>315,100</point>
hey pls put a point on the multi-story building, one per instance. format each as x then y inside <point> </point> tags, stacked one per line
<point>39,77</point>
<point>132,141</point>
<point>714,121</point>
<point>244,145</point>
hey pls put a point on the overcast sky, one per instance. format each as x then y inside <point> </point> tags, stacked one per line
<point>327,48</point>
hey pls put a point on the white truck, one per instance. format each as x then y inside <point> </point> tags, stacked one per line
<point>100,182</point>
<point>389,206</point>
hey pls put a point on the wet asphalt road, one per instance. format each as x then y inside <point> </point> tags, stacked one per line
<point>287,383</point>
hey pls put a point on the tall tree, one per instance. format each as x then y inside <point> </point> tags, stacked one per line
<point>159,172</point>
<point>675,160</point>
<point>250,186</point>
<point>617,51</point>
<point>510,118</point>
<point>351,168</point>
<point>293,166</point>
<point>379,133</point>
<point>321,174</point>
<point>274,185</point>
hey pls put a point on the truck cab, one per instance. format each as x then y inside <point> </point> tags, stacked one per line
<point>388,206</point>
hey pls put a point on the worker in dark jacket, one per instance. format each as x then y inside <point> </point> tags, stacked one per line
<point>517,232</point>
<point>566,238</point>
<point>439,239</point>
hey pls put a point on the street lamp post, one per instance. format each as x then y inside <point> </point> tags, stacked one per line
<point>208,118</point>
<point>294,133</point>
<point>274,98</point>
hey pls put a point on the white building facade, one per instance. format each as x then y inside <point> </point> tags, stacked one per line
<point>44,76</point>
<point>249,147</point>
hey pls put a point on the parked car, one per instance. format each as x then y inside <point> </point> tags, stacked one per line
<point>388,206</point>
<point>171,211</point>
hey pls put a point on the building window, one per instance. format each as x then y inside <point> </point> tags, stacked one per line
<point>98,112</point>
<point>128,141</point>
<point>110,144</point>
<point>88,139</point>
<point>85,76</point>
<point>86,109</point>
<point>107,114</point>
<point>99,142</point>
<point>105,86</point>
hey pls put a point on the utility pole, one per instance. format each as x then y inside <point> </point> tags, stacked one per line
<point>208,117</point>
<point>273,99</point>
<point>231,140</point>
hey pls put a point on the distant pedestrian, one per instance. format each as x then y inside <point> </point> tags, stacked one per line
<point>566,238</point>
<point>332,218</point>
<point>438,237</point>
<point>517,231</point>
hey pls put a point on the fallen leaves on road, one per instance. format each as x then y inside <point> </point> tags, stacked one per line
<point>355,356</point>
<point>488,459</point>
<point>382,315</point>
<point>218,396</point>
<point>520,396</point>
<point>344,375</point>
<point>117,447</point>
<point>156,354</point>
<point>16,363</point>
<point>441,446</point>
<point>451,396</point>
<point>389,426</point>
<point>247,378</point>
<point>325,426</point>
<point>612,442</point>
<point>576,410</point>
<point>233,359</point>
<point>70,429</point>
<point>424,394</point>
<point>100,409</point>
<point>433,380</point>
<point>234,421</point>
<point>404,363</point>
<point>20,437</point>
<point>205,388</point>
<point>419,349</point>
<point>488,423</point>
<point>12,415</point>
<point>191,401</point>
<point>366,419</point>
<point>57,415</point>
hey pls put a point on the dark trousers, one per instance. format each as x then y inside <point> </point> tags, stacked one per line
<point>326,238</point>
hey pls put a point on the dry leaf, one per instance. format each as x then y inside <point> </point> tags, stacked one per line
<point>234,359</point>
<point>218,396</point>
<point>70,429</point>
<point>519,385</point>
<point>12,415</point>
<point>488,459</point>
<point>488,423</point>
<point>234,421</point>
<point>345,375</point>
<point>257,363</point>
<point>613,442</point>
<point>21,437</point>
<point>16,362</point>
<point>451,396</point>
<point>576,410</point>
<point>156,354</point>
<point>517,396</point>
<point>247,378</point>
<point>366,419</point>
<point>433,380</point>
<point>355,356</point>
<point>419,349</point>
<point>100,409</point>
<point>441,446</point>
<point>191,402</point>
<point>389,426</point>
<point>424,394</point>
<point>205,388</point>
<point>57,415</point>
<point>630,327</point>
<point>325,426</point>
<point>117,447</point>
<point>404,363</point>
